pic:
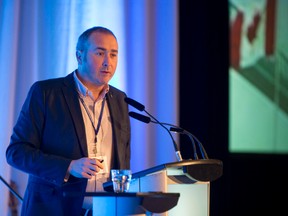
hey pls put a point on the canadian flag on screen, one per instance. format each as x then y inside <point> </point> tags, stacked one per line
<point>252,32</point>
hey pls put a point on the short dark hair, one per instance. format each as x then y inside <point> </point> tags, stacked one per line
<point>86,34</point>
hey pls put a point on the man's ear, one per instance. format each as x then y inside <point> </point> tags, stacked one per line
<point>79,56</point>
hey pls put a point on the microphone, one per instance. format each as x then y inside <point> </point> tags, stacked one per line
<point>146,119</point>
<point>176,129</point>
<point>201,170</point>
<point>140,117</point>
<point>135,104</point>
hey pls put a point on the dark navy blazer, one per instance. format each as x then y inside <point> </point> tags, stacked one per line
<point>48,134</point>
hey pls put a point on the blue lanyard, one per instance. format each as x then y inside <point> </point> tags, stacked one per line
<point>90,117</point>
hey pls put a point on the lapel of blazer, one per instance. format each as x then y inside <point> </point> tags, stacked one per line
<point>112,104</point>
<point>71,97</point>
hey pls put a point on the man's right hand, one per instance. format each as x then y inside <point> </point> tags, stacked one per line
<point>85,167</point>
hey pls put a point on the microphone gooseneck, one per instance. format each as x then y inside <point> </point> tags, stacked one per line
<point>177,129</point>
<point>173,128</point>
<point>142,118</point>
<point>11,189</point>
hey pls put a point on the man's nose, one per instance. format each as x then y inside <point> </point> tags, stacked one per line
<point>106,61</point>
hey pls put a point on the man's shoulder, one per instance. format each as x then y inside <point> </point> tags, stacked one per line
<point>53,82</point>
<point>113,91</point>
<point>116,90</point>
<point>52,85</point>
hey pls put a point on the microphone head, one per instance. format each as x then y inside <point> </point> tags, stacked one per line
<point>135,104</point>
<point>176,130</point>
<point>140,117</point>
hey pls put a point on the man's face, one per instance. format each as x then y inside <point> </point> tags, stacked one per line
<point>98,62</point>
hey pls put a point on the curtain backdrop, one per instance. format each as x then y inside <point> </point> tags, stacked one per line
<point>38,39</point>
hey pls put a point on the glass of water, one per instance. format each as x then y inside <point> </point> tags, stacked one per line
<point>121,179</point>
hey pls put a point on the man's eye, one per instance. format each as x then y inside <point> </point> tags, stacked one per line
<point>99,53</point>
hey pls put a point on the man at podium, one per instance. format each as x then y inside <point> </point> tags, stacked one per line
<point>72,130</point>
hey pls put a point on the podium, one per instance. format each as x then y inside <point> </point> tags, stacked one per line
<point>123,204</point>
<point>190,178</point>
